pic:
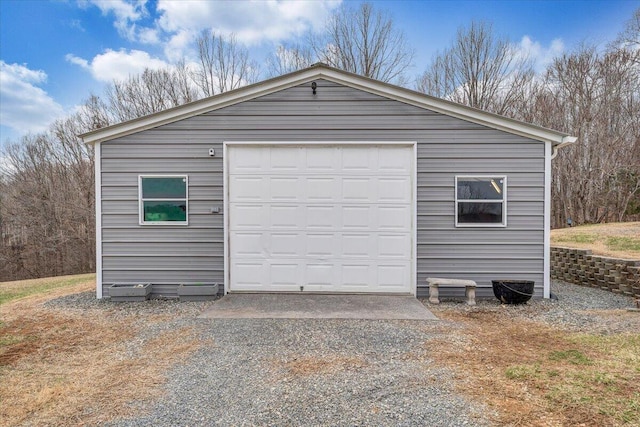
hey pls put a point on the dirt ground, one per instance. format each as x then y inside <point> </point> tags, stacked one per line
<point>69,367</point>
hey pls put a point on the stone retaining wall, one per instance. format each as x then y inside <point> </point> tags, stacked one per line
<point>580,267</point>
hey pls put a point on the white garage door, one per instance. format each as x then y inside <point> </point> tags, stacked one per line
<point>324,218</point>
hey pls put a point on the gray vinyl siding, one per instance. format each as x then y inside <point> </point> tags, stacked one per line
<point>447,146</point>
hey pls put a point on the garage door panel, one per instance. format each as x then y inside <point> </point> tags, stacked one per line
<point>285,275</point>
<point>357,245</point>
<point>285,159</point>
<point>247,244</point>
<point>249,275</point>
<point>394,218</point>
<point>322,245</point>
<point>320,217</point>
<point>330,219</point>
<point>247,188</point>
<point>322,189</point>
<point>358,189</point>
<point>248,216</point>
<point>358,218</point>
<point>284,189</point>
<point>392,276</point>
<point>251,161</point>
<point>392,160</point>
<point>356,275</point>
<point>357,159</point>
<point>394,246</point>
<point>394,190</point>
<point>286,217</point>
<point>320,275</point>
<point>283,244</point>
<point>322,161</point>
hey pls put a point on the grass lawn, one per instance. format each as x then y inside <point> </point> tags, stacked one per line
<point>10,291</point>
<point>620,240</point>
<point>534,374</point>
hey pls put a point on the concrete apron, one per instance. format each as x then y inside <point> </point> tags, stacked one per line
<point>316,306</point>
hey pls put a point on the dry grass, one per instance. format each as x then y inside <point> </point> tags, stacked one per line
<point>306,366</point>
<point>10,291</point>
<point>535,375</point>
<point>620,240</point>
<point>65,368</point>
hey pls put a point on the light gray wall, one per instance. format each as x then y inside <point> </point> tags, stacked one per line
<point>166,256</point>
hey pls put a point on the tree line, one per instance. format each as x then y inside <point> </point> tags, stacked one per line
<point>47,222</point>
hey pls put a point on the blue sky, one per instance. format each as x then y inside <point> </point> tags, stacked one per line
<point>53,54</point>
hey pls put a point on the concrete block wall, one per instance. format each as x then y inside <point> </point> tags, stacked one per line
<point>581,267</point>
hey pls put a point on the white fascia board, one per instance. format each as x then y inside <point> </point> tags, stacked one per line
<point>449,108</point>
<point>337,76</point>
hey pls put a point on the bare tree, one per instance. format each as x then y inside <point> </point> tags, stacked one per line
<point>480,70</point>
<point>364,41</point>
<point>223,64</point>
<point>630,37</point>
<point>597,98</point>
<point>150,92</point>
<point>47,199</point>
<point>287,59</point>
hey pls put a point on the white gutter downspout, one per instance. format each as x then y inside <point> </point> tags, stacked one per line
<point>551,152</point>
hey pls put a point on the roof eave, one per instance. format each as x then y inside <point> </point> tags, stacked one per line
<point>198,107</point>
<point>317,71</point>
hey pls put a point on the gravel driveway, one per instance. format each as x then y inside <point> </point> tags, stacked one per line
<point>317,372</point>
<point>311,372</point>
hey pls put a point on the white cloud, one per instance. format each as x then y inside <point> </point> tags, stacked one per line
<point>117,65</point>
<point>126,13</point>
<point>540,55</point>
<point>179,44</point>
<point>77,61</point>
<point>25,107</point>
<point>252,22</point>
<point>176,25</point>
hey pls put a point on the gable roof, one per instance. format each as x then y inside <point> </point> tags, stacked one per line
<point>322,71</point>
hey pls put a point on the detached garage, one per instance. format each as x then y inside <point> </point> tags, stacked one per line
<point>322,181</point>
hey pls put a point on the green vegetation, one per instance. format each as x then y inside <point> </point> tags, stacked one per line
<point>618,240</point>
<point>606,382</point>
<point>577,238</point>
<point>522,372</point>
<point>624,243</point>
<point>572,356</point>
<point>10,291</point>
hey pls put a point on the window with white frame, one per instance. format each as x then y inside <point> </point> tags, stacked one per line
<point>163,199</point>
<point>481,201</point>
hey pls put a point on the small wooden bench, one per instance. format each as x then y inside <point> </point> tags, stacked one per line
<point>436,282</point>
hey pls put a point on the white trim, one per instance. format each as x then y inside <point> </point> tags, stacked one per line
<point>414,194</point>
<point>225,216</point>
<point>97,167</point>
<point>414,220</point>
<point>503,201</point>
<point>321,71</point>
<point>141,220</point>
<point>547,221</point>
